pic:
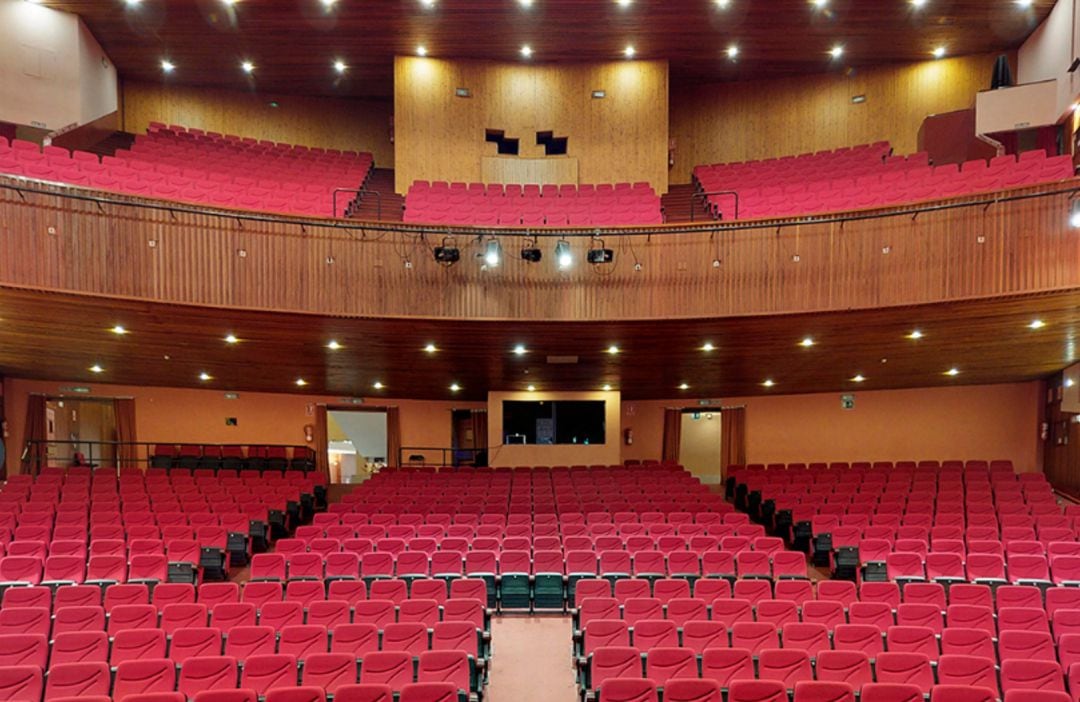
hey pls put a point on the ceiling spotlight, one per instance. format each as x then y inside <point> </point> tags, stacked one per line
<point>531,388</point>
<point>377,385</point>
<point>732,52</point>
<point>836,52</point>
<point>340,66</point>
<point>248,67</point>
<point>333,345</point>
<point>231,338</point>
<point>807,342</point>
<point>167,66</point>
<point>1074,214</point>
<point>684,386</point>
<point>915,334</point>
<point>613,349</point>
<point>96,369</point>
<point>454,387</point>
<point>530,253</point>
<point>858,378</point>
<point>562,254</point>
<point>430,348</point>
<point>493,253</point>
<point>1036,324</point>
<point>939,52</point>
<point>606,388</point>
<point>629,52</point>
<point>520,350</point>
<point>301,382</point>
<point>526,51</point>
<point>118,330</point>
<point>768,383</point>
<point>447,254</point>
<point>204,376</point>
<point>953,372</point>
<point>230,3</point>
<point>599,254</point>
<point>708,346</point>
<point>421,50</point>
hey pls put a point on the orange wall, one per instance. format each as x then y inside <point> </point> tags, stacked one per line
<point>977,421</point>
<point>198,416</point>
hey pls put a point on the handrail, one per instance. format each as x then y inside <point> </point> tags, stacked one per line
<point>448,455</point>
<point>361,191</point>
<point>705,196</point>
<point>880,212</point>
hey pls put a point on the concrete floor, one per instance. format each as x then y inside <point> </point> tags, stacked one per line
<point>531,660</point>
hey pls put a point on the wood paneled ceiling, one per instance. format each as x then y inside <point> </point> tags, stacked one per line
<point>294,42</point>
<point>60,337</point>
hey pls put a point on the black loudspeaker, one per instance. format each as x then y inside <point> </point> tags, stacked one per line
<point>1002,77</point>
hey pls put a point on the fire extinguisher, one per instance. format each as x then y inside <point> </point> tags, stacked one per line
<point>628,436</point>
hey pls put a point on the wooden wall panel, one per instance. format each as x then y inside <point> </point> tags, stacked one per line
<point>763,119</point>
<point>333,123</point>
<point>622,137</point>
<point>1014,247</point>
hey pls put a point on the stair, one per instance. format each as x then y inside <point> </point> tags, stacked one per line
<point>677,203</point>
<point>380,180</point>
<point>110,144</point>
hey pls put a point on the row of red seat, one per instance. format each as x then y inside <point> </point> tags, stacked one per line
<point>710,690</point>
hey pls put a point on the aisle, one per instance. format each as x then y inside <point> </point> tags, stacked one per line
<point>532,660</point>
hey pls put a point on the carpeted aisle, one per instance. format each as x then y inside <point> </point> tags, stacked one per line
<point>532,660</point>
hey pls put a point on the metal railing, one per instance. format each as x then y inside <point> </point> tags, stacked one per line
<point>113,455</point>
<point>360,192</point>
<point>705,197</point>
<point>426,455</point>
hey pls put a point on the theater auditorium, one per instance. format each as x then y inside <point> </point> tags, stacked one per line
<point>539,351</point>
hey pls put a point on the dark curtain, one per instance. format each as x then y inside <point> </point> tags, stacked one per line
<point>34,430</point>
<point>393,437</point>
<point>732,438</point>
<point>127,453</point>
<point>672,435</point>
<point>480,437</point>
<point>322,454</point>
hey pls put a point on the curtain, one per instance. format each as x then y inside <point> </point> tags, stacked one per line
<point>393,437</point>
<point>127,453</point>
<point>480,437</point>
<point>732,439</point>
<point>672,435</point>
<point>34,430</point>
<point>322,454</point>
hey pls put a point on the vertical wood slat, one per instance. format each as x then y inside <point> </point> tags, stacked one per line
<point>937,256</point>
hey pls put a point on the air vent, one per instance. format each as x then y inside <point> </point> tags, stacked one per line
<point>562,360</point>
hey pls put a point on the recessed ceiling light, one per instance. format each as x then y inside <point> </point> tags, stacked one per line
<point>301,382</point>
<point>328,3</point>
<point>606,388</point>
<point>819,4</point>
<point>807,342</point>
<point>939,52</point>
<point>421,50</point>
<point>118,330</point>
<point>732,52</point>
<point>768,383</point>
<point>230,338</point>
<point>917,3</point>
<point>531,388</point>
<point>525,3</point>
<point>333,345</point>
<point>624,3</point>
<point>915,334</point>
<point>613,349</point>
<point>858,378</point>
<point>684,386</point>
<point>96,369</point>
<point>629,52</point>
<point>520,350</point>
<point>1024,3</point>
<point>708,346</point>
<point>247,67</point>
<point>1069,382</point>
<point>723,4</point>
<point>229,2</point>
<point>836,52</point>
<point>953,372</point>
<point>129,3</point>
<point>454,387</point>
<point>427,3</point>
<point>204,376</point>
<point>527,51</point>
<point>430,348</point>
<point>378,385</point>
<point>167,66</point>
<point>340,66</point>
<point>1036,324</point>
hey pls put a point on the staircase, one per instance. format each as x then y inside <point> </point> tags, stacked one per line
<point>677,203</point>
<point>110,144</point>
<point>380,180</point>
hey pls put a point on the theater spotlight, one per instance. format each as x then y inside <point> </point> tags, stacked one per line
<point>1074,214</point>
<point>447,254</point>
<point>493,253</point>
<point>530,253</point>
<point>598,254</point>
<point>562,254</point>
